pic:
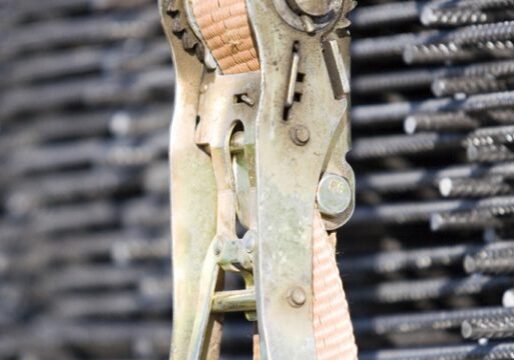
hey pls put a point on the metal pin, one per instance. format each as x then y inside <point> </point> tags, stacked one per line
<point>308,24</point>
<point>293,73</point>
<point>234,301</point>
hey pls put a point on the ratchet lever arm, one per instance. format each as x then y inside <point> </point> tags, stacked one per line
<point>259,177</point>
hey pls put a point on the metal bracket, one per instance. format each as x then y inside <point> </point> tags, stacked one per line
<point>259,152</point>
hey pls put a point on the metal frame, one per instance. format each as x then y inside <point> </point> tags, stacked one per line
<point>255,147</point>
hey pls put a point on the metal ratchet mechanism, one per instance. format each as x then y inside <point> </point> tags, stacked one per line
<point>259,177</point>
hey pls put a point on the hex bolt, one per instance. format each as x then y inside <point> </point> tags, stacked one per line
<point>297,297</point>
<point>300,135</point>
<point>334,195</point>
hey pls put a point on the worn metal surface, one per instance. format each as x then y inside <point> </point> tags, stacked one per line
<point>303,132</point>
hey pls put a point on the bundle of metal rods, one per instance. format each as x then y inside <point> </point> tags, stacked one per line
<point>85,104</point>
<point>427,258</point>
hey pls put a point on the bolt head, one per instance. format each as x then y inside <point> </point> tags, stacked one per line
<point>334,195</point>
<point>297,297</point>
<point>300,135</point>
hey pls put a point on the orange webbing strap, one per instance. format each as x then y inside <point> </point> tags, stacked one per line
<point>332,324</point>
<point>226,31</point>
<point>256,348</point>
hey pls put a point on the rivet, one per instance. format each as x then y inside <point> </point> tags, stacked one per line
<point>297,297</point>
<point>300,135</point>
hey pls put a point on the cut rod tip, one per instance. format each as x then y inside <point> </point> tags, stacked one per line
<point>445,187</point>
<point>466,330</point>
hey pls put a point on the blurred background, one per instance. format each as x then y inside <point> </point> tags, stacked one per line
<point>86,102</point>
<point>86,98</point>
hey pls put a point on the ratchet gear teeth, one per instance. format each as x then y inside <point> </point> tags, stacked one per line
<point>182,30</point>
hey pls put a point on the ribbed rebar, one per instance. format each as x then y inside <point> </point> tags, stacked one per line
<point>489,328</point>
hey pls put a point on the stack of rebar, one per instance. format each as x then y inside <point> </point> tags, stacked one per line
<point>86,100</point>
<point>427,259</point>
<point>85,104</point>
